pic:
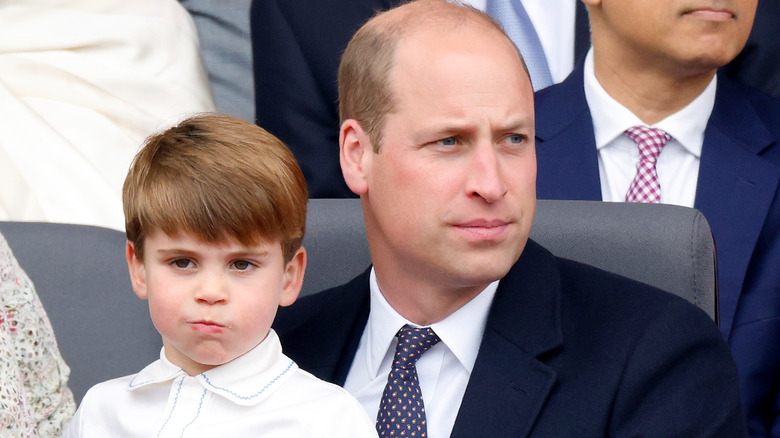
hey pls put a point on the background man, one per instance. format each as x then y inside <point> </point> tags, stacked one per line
<point>653,64</point>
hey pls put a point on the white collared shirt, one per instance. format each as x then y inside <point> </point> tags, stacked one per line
<point>262,393</point>
<point>678,163</point>
<point>443,371</point>
<point>553,21</point>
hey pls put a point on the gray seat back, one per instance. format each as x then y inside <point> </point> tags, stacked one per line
<point>104,330</point>
<point>667,246</point>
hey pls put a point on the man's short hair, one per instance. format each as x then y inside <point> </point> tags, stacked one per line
<point>365,72</point>
<point>216,177</point>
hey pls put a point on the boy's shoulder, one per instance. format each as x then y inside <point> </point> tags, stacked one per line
<point>329,407</point>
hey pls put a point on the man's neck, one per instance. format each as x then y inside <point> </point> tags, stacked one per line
<point>650,92</point>
<point>419,302</point>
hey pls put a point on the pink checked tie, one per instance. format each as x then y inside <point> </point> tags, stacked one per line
<point>401,410</point>
<point>645,186</point>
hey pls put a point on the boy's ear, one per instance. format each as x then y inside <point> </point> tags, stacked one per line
<point>355,149</point>
<point>137,272</point>
<point>293,277</point>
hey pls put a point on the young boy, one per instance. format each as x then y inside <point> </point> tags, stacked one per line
<point>215,212</point>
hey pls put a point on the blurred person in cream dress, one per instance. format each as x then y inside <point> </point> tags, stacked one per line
<point>82,84</point>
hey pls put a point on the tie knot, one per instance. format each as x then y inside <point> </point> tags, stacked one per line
<point>650,141</point>
<point>412,343</point>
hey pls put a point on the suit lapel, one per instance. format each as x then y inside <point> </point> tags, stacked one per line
<point>735,189</point>
<point>509,380</point>
<point>565,143</point>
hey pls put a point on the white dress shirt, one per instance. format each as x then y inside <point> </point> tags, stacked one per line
<point>262,393</point>
<point>443,371</point>
<point>553,21</point>
<point>678,163</point>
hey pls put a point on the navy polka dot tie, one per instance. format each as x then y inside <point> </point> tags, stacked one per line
<point>401,410</point>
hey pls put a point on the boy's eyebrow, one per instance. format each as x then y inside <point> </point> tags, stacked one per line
<point>237,253</point>
<point>250,252</point>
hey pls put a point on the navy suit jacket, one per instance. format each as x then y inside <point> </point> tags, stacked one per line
<point>758,65</point>
<point>568,351</point>
<point>737,191</point>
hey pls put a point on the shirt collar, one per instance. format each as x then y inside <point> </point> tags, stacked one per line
<point>460,332</point>
<point>246,380</point>
<point>611,119</point>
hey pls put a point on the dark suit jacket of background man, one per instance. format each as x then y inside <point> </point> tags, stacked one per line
<point>758,65</point>
<point>568,351</point>
<point>738,193</point>
<point>297,49</point>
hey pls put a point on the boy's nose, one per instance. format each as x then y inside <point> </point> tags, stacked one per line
<point>212,290</point>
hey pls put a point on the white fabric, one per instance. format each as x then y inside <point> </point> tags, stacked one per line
<point>678,163</point>
<point>443,371</point>
<point>82,84</point>
<point>262,393</point>
<point>553,21</point>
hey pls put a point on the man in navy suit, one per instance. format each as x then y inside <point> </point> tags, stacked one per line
<point>654,63</point>
<point>437,139</point>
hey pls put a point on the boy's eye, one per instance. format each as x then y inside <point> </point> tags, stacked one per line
<point>242,265</point>
<point>182,263</point>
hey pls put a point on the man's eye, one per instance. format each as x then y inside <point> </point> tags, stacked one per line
<point>182,263</point>
<point>516,138</point>
<point>449,141</point>
<point>242,265</point>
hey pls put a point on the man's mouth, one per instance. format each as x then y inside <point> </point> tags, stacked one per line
<point>711,14</point>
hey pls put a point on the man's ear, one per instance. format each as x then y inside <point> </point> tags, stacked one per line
<point>294,271</point>
<point>355,149</point>
<point>137,271</point>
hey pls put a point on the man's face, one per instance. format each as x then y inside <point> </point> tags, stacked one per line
<point>450,197</point>
<point>212,302</point>
<point>683,34</point>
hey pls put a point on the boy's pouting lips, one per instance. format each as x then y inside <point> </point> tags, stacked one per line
<point>212,302</point>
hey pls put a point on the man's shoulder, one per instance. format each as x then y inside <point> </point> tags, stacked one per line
<point>590,289</point>
<point>592,296</point>
<point>733,98</point>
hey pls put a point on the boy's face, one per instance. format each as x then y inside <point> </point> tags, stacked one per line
<point>212,302</point>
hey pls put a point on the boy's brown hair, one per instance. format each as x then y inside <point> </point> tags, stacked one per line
<point>216,177</point>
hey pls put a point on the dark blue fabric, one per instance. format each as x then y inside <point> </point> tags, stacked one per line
<point>738,193</point>
<point>297,48</point>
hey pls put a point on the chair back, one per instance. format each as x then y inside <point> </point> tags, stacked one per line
<point>666,246</point>
<point>104,330</point>
<point>80,274</point>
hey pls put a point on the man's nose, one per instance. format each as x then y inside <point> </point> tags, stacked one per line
<point>486,174</point>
